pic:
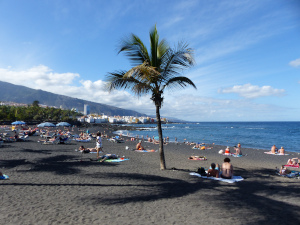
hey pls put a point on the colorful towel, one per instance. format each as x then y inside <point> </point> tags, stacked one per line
<point>293,174</point>
<point>4,177</point>
<point>234,179</point>
<point>270,153</point>
<point>116,160</point>
<point>295,166</point>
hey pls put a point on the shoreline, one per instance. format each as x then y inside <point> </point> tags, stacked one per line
<point>54,184</point>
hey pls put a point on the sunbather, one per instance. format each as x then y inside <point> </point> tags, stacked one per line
<point>274,149</point>
<point>238,151</point>
<point>293,162</point>
<point>139,146</point>
<point>227,150</point>
<point>213,171</point>
<point>108,156</point>
<point>284,170</point>
<point>87,150</point>
<point>281,151</point>
<point>227,169</point>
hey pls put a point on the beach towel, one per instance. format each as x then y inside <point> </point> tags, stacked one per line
<point>84,140</point>
<point>295,166</point>
<point>232,154</point>
<point>270,153</point>
<point>116,160</point>
<point>152,150</point>
<point>293,174</point>
<point>234,179</point>
<point>4,177</point>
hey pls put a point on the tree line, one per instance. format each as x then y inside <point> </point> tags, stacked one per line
<point>34,112</point>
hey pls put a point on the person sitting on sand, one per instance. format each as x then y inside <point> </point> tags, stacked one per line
<point>213,171</point>
<point>238,151</point>
<point>293,162</point>
<point>281,151</point>
<point>284,170</point>
<point>139,146</point>
<point>227,169</point>
<point>274,149</point>
<point>227,151</point>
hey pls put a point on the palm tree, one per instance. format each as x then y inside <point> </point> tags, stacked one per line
<point>153,72</point>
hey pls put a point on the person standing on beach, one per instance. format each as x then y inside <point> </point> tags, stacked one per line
<point>98,143</point>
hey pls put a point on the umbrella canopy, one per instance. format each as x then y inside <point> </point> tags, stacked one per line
<point>18,123</point>
<point>63,124</point>
<point>46,124</point>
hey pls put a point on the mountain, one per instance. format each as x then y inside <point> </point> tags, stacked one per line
<point>22,94</point>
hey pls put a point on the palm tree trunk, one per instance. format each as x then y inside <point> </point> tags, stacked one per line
<point>161,145</point>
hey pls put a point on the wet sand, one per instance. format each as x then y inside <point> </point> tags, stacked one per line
<point>54,184</point>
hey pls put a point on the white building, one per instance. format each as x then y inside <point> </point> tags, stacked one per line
<point>86,109</point>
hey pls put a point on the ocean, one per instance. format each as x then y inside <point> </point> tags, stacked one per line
<point>257,135</point>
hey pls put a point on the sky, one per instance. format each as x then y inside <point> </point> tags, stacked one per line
<point>247,53</point>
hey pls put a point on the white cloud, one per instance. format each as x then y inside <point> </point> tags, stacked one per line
<point>183,105</point>
<point>42,77</point>
<point>295,63</point>
<point>253,91</point>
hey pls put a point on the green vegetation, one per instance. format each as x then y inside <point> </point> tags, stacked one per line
<point>35,113</point>
<point>153,71</point>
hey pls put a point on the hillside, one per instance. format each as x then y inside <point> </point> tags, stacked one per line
<point>22,94</point>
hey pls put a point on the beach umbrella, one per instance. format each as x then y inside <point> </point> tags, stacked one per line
<point>18,123</point>
<point>63,124</point>
<point>46,124</point>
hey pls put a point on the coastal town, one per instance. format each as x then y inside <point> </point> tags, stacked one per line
<point>96,118</point>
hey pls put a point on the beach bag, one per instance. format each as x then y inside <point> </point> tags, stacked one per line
<point>201,171</point>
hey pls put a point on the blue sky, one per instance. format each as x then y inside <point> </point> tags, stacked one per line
<point>247,53</point>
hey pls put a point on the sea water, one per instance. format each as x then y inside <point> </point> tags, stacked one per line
<point>258,135</point>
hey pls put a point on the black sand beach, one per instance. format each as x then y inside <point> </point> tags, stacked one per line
<point>54,184</point>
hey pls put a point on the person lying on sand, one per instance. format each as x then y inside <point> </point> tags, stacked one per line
<point>196,157</point>
<point>108,156</point>
<point>227,169</point>
<point>213,170</point>
<point>87,150</point>
<point>293,162</point>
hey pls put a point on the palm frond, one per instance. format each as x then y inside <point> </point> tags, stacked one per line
<point>116,80</point>
<point>176,60</point>
<point>179,81</point>
<point>158,49</point>
<point>123,80</point>
<point>134,49</point>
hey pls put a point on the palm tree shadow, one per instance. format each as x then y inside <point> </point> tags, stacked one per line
<point>246,197</point>
<point>59,164</point>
